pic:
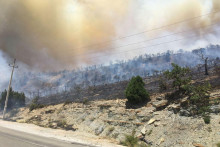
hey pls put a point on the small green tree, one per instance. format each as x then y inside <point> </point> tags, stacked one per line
<point>200,95</point>
<point>135,91</point>
<point>15,99</point>
<point>35,105</point>
<point>179,75</point>
<point>163,84</point>
<point>217,70</point>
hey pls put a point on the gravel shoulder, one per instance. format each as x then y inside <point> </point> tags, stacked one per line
<point>68,136</point>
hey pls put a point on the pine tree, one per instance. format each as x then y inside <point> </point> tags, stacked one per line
<point>135,91</point>
<point>15,99</point>
<point>179,75</point>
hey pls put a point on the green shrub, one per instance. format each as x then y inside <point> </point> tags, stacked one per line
<point>61,123</point>
<point>174,95</point>
<point>203,110</point>
<point>135,91</point>
<point>142,145</point>
<point>217,70</point>
<point>179,75</point>
<point>206,119</point>
<point>85,101</point>
<point>218,144</point>
<point>130,140</point>
<point>110,130</point>
<point>67,102</point>
<point>162,84</point>
<point>34,106</point>
<point>200,95</point>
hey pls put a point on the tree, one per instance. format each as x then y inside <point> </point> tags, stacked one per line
<point>201,53</point>
<point>15,99</point>
<point>178,75</point>
<point>35,104</point>
<point>217,70</point>
<point>135,91</point>
<point>199,95</point>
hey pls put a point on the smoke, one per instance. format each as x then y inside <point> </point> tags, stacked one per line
<point>54,34</point>
<point>178,11</point>
<point>3,76</point>
<point>51,33</point>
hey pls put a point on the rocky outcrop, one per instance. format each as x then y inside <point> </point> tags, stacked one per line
<point>111,119</point>
<point>215,108</point>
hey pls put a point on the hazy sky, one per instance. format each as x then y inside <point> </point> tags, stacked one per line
<point>4,71</point>
<point>54,34</point>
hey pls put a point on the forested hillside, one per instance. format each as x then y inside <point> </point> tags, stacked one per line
<point>42,84</point>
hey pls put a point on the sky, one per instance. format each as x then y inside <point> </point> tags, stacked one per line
<point>4,71</point>
<point>48,35</point>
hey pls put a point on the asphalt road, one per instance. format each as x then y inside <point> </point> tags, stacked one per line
<point>12,138</point>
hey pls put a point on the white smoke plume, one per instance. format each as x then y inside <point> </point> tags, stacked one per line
<point>51,34</point>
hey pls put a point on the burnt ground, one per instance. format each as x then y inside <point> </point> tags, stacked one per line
<point>116,90</point>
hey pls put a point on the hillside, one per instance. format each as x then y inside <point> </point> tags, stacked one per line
<point>49,83</point>
<point>111,120</point>
<point>164,123</point>
<point>116,90</point>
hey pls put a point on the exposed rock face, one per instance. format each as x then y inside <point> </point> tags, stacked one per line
<point>111,119</point>
<point>160,104</point>
<point>151,121</point>
<point>99,130</point>
<point>174,107</point>
<point>215,109</point>
<point>184,113</point>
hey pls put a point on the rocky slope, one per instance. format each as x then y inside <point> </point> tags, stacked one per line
<point>110,119</point>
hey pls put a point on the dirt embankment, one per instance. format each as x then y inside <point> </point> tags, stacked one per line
<point>111,120</point>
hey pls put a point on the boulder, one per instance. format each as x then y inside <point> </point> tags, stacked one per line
<point>174,107</point>
<point>160,104</point>
<point>156,124</point>
<point>70,127</point>
<point>146,112</point>
<point>99,130</point>
<point>160,98</point>
<point>184,113</point>
<point>215,109</point>
<point>161,141</point>
<point>143,131</point>
<point>151,121</point>
<point>53,125</point>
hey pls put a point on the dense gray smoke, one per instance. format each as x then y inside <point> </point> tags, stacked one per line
<point>46,33</point>
<point>52,34</point>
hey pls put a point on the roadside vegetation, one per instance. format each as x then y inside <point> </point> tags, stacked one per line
<point>174,87</point>
<point>15,100</point>
<point>35,105</point>
<point>132,141</point>
<point>182,86</point>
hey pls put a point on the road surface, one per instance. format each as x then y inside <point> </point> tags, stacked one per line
<point>12,138</point>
